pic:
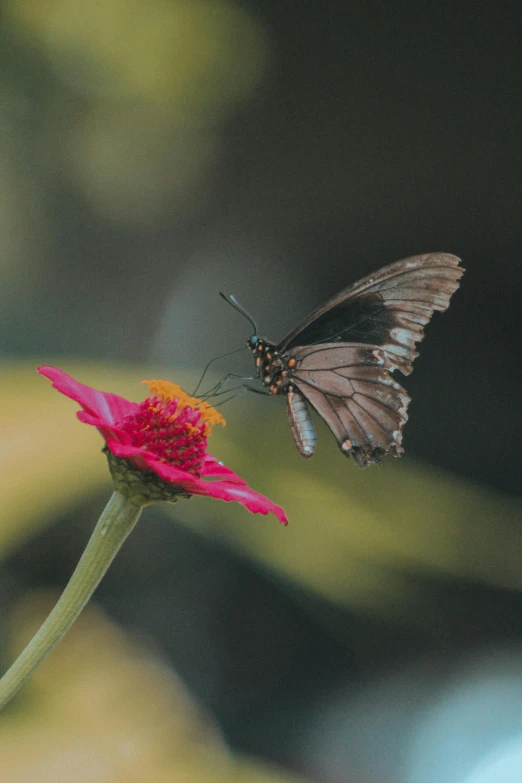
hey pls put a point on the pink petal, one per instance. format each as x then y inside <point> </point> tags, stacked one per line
<point>227,490</point>
<point>111,408</point>
<point>107,432</point>
<point>166,472</point>
<point>214,469</point>
<point>224,490</point>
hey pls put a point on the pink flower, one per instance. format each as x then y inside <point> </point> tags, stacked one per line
<point>164,436</point>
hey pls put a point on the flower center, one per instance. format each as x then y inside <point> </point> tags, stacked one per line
<point>173,426</point>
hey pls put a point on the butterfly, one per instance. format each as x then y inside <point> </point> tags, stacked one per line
<point>341,358</point>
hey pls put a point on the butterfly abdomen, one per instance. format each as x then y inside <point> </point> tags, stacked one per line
<point>301,424</point>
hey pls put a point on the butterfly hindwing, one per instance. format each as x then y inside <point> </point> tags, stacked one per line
<point>352,389</point>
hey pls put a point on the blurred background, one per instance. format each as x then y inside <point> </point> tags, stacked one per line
<point>155,153</point>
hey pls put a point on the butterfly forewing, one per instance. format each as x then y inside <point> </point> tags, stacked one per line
<point>387,309</point>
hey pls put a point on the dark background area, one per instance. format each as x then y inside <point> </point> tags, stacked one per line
<point>366,133</point>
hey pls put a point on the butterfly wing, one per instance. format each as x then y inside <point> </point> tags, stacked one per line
<point>351,387</point>
<point>387,309</point>
<point>346,350</point>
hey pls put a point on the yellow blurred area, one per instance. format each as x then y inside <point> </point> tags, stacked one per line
<point>358,538</point>
<point>102,709</point>
<point>140,91</point>
<point>186,51</point>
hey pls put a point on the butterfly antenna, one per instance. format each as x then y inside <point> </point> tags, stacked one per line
<point>231,300</point>
<point>229,353</point>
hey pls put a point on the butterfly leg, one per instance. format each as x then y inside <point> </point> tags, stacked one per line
<point>219,385</point>
<point>256,391</point>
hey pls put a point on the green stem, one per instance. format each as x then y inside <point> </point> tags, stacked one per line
<point>114,525</point>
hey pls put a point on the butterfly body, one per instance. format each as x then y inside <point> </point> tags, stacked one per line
<point>341,358</point>
<point>271,366</point>
<point>276,371</point>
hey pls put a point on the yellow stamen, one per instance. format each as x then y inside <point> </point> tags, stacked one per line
<point>167,391</point>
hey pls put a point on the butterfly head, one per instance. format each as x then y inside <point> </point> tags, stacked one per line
<point>260,347</point>
<point>264,355</point>
<point>254,343</point>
